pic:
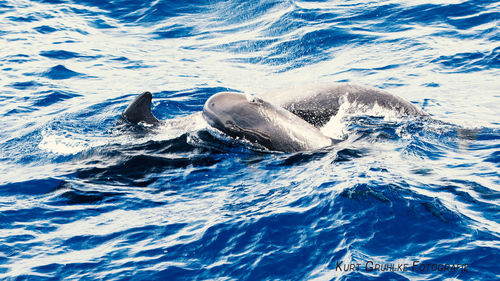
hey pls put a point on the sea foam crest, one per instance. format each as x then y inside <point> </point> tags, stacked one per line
<point>61,144</point>
<point>336,127</point>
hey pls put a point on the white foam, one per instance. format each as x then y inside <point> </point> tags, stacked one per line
<point>176,127</point>
<point>336,127</point>
<point>60,144</point>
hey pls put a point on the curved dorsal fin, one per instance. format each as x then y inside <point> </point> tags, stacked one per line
<point>140,110</point>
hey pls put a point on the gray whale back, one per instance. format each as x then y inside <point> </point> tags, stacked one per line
<point>317,104</point>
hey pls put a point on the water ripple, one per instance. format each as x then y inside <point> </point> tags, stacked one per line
<point>86,195</point>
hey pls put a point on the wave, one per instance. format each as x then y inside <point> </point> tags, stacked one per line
<point>86,196</point>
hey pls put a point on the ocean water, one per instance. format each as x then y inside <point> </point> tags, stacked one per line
<point>84,196</point>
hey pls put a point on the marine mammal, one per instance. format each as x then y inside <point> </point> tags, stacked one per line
<point>139,110</point>
<point>288,120</point>
<point>316,104</point>
<point>258,121</point>
<point>240,116</point>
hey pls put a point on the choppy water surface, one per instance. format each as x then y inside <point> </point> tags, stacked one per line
<point>85,197</point>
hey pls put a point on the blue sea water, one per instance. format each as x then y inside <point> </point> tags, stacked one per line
<point>85,197</point>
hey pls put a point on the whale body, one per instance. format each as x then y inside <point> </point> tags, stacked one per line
<point>285,121</point>
<point>316,104</point>
<point>260,122</point>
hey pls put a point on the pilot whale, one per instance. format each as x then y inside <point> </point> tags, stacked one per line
<point>260,122</point>
<point>316,104</point>
<point>285,121</point>
<point>139,110</point>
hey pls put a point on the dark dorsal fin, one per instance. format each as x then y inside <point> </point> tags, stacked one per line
<point>140,110</point>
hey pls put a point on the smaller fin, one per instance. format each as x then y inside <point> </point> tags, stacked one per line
<point>140,110</point>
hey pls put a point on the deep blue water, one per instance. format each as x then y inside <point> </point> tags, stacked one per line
<point>83,196</point>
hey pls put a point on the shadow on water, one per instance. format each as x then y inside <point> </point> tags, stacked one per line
<point>142,164</point>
